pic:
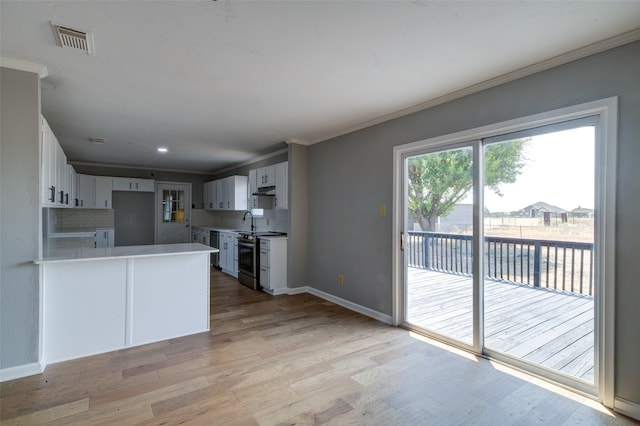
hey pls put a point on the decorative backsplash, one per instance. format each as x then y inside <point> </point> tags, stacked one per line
<point>278,220</point>
<point>61,219</point>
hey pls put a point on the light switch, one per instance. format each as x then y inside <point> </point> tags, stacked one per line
<point>382,210</point>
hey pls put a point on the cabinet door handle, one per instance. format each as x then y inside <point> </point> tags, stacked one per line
<point>129,185</point>
<point>53,194</point>
<point>105,203</point>
<point>66,199</point>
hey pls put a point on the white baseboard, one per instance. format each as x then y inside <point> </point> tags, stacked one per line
<point>627,408</point>
<point>352,306</point>
<point>20,371</point>
<point>297,290</point>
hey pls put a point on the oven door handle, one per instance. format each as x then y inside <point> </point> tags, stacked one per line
<point>250,245</point>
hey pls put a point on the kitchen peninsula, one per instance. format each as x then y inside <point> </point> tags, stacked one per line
<point>96,300</point>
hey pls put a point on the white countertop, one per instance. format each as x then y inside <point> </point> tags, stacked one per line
<point>84,254</point>
<point>76,232</point>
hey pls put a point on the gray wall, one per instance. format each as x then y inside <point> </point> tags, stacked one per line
<point>19,217</point>
<point>297,245</point>
<point>351,175</point>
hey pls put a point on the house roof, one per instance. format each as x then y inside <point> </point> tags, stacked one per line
<point>544,207</point>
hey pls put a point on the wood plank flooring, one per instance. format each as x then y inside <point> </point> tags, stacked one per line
<point>288,360</point>
<point>547,327</point>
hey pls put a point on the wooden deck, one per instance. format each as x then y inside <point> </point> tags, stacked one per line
<point>548,327</point>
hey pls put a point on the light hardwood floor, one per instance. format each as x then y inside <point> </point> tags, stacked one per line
<point>290,360</point>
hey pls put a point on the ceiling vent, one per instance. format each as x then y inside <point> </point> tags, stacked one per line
<point>74,38</point>
<point>97,140</point>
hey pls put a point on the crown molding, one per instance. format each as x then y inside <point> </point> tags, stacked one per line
<point>553,62</point>
<point>19,64</point>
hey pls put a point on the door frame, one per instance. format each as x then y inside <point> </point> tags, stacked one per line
<point>605,198</point>
<point>158,198</point>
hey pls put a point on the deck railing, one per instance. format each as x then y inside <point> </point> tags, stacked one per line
<point>561,265</point>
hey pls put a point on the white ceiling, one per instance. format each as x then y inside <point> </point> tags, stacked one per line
<point>221,82</point>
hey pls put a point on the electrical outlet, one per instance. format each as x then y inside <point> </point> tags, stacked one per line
<point>340,279</point>
<point>382,210</point>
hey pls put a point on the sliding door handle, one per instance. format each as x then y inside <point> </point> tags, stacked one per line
<point>401,241</point>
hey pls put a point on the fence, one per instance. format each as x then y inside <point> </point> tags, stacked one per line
<point>561,265</point>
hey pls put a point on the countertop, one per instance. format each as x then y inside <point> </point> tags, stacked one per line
<point>77,232</point>
<point>85,254</point>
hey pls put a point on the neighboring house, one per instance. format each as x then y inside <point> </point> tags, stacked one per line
<point>539,209</point>
<point>582,212</point>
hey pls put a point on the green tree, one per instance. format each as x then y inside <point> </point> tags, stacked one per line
<point>438,181</point>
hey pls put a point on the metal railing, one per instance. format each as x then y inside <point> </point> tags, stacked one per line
<point>561,265</point>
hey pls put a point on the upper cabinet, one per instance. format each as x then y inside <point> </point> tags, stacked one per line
<point>57,177</point>
<point>266,176</point>
<point>103,192</point>
<point>229,193</point>
<point>86,191</point>
<point>131,184</point>
<point>209,195</point>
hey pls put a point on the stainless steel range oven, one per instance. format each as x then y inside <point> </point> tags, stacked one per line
<point>248,261</point>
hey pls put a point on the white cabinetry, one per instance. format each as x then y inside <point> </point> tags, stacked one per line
<point>103,192</point>
<point>228,253</point>
<point>86,191</point>
<point>132,184</point>
<point>253,188</point>
<point>273,264</point>
<point>229,193</point>
<point>209,194</point>
<point>56,175</point>
<point>281,200</point>
<point>266,176</point>
<point>105,237</point>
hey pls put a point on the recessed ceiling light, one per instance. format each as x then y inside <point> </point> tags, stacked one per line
<point>162,150</point>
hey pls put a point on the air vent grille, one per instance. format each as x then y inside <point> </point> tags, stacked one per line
<point>74,38</point>
<point>97,140</point>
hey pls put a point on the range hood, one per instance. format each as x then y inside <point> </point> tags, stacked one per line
<point>266,191</point>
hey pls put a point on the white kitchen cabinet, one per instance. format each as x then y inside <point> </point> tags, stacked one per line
<point>105,237</point>
<point>266,176</point>
<point>273,264</point>
<point>55,177</point>
<point>103,192</point>
<point>133,184</point>
<point>72,178</point>
<point>86,191</point>
<point>281,200</point>
<point>253,188</point>
<point>209,194</point>
<point>228,260</point>
<point>231,193</point>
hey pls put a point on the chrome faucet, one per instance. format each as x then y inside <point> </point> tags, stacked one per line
<point>244,218</point>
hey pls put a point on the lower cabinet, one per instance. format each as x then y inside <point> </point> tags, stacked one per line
<point>273,264</point>
<point>105,238</point>
<point>102,305</point>
<point>229,253</point>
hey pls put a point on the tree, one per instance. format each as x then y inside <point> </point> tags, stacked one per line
<point>438,181</point>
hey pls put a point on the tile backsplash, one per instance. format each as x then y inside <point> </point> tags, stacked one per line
<point>63,219</point>
<point>278,220</point>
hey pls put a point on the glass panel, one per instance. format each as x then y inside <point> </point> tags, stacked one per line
<point>173,206</point>
<point>539,245</point>
<point>438,249</point>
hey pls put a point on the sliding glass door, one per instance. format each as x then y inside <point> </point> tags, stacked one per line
<point>439,291</point>
<point>501,246</point>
